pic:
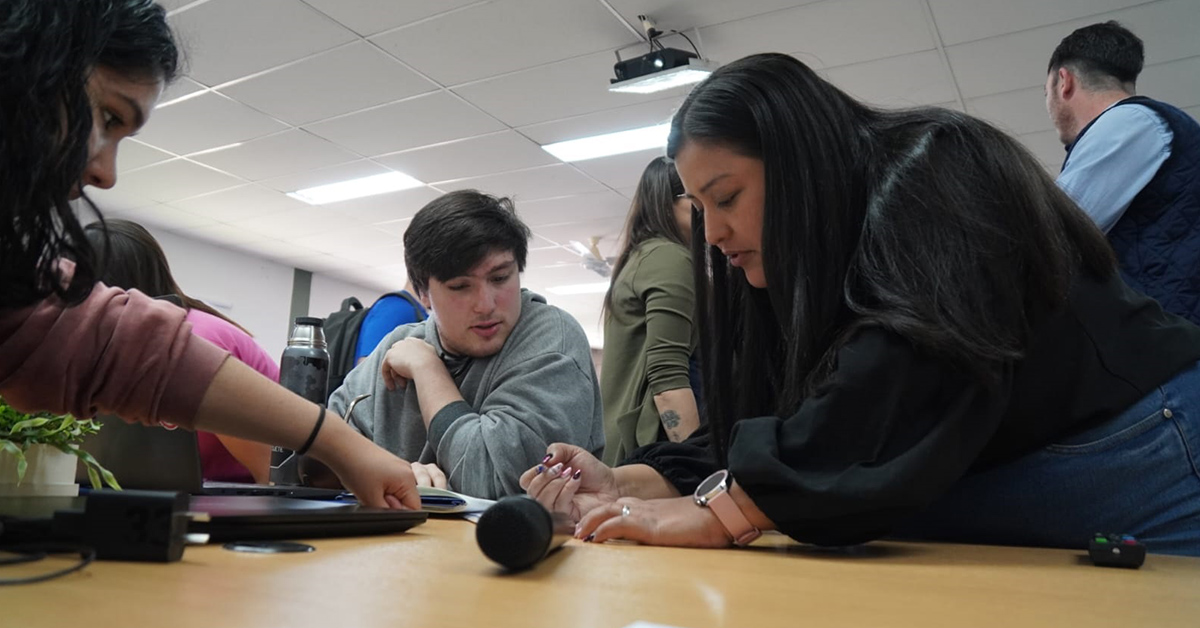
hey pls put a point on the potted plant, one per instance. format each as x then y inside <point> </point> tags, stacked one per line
<point>38,453</point>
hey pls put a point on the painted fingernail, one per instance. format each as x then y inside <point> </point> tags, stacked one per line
<point>566,473</point>
<point>556,469</point>
<point>578,472</point>
<point>547,458</point>
<point>589,538</point>
<point>541,468</point>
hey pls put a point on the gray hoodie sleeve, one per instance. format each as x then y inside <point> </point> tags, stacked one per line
<point>547,398</point>
<point>362,379</point>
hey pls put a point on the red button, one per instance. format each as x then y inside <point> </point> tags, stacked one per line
<point>1130,542</point>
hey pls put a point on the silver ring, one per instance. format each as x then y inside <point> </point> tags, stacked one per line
<point>625,510</point>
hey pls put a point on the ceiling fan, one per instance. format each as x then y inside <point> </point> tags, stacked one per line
<point>593,259</point>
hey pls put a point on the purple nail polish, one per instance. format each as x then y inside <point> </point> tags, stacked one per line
<point>566,473</point>
<point>547,458</point>
<point>578,472</point>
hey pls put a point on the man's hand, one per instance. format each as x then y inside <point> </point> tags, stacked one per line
<point>405,359</point>
<point>429,475</point>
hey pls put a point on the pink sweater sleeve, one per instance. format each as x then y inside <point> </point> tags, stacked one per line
<point>117,352</point>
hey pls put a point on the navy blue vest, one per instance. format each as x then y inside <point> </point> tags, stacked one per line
<point>1157,240</point>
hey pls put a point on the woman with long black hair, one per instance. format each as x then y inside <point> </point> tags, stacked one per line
<point>77,77</point>
<point>907,328</point>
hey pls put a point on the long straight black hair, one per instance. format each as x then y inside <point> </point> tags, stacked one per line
<point>651,215</point>
<point>49,49</point>
<point>131,259</point>
<point>927,222</point>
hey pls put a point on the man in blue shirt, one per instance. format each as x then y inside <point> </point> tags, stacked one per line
<point>388,313</point>
<point>1133,163</point>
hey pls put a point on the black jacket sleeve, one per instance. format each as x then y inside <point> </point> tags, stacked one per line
<point>888,433</point>
<point>684,464</point>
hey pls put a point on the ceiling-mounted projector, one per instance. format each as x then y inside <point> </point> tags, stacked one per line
<point>660,69</point>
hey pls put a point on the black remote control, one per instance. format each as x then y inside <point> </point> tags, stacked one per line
<point>1116,550</point>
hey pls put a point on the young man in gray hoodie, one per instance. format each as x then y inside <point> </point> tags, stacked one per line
<point>475,393</point>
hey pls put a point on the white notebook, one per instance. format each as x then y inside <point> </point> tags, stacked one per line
<point>439,501</point>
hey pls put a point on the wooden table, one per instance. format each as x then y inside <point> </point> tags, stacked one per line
<point>435,576</point>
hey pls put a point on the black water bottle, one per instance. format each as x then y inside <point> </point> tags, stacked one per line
<point>303,370</point>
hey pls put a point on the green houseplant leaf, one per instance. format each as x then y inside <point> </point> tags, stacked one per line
<point>19,430</point>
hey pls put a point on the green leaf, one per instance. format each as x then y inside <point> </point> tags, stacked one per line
<point>28,424</point>
<point>94,477</point>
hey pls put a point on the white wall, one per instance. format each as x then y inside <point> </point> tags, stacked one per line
<point>328,292</point>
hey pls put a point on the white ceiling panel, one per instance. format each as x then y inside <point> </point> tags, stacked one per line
<point>498,37</point>
<point>305,221</point>
<point>323,262</point>
<point>338,240</point>
<point>388,256</point>
<point>1177,82</point>
<point>119,198</point>
<point>687,14</point>
<point>206,121</point>
<point>181,87</point>
<point>569,88</point>
<point>607,229</point>
<point>164,217</point>
<point>919,78</point>
<point>229,39</point>
<point>394,227</point>
<point>551,256</point>
<point>385,207</point>
<point>178,179</point>
<point>173,4</point>
<point>239,203</point>
<point>420,121</point>
<point>330,84</point>
<point>529,185</point>
<point>223,235</point>
<point>827,34</point>
<point>324,176</point>
<point>618,171</point>
<point>284,153</point>
<point>133,154</point>
<point>562,275</point>
<point>277,249</point>
<point>1018,60</point>
<point>607,121</point>
<point>472,157</point>
<point>576,208</point>
<point>961,21</point>
<point>367,17</point>
<point>1019,112</point>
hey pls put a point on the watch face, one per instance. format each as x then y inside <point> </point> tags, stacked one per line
<point>712,483</point>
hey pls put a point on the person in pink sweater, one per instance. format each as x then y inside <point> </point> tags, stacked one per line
<point>134,260</point>
<point>77,77</point>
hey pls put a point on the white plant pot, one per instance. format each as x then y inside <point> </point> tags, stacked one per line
<point>50,473</point>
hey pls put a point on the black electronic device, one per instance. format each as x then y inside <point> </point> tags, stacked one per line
<point>1116,550</point>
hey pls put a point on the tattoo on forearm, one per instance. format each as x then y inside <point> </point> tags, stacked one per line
<point>670,419</point>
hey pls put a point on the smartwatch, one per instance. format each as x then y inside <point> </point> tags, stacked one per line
<point>713,493</point>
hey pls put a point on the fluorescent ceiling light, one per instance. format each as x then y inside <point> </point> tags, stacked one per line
<point>356,188</point>
<point>610,143</point>
<point>694,72</point>
<point>600,287</point>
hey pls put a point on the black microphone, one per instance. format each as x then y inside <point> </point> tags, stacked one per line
<point>517,532</point>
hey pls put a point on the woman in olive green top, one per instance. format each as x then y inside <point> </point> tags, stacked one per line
<point>648,321</point>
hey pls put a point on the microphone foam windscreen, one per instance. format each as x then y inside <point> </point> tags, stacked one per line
<point>515,532</point>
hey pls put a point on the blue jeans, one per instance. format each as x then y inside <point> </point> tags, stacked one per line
<point>1135,474</point>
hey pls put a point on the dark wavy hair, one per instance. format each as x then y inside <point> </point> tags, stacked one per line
<point>927,222</point>
<point>131,259</point>
<point>651,215</point>
<point>455,231</point>
<point>1105,55</point>
<point>48,49</point>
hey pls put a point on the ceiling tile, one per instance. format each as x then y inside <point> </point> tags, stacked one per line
<point>277,249</point>
<point>961,21</point>
<point>291,224</point>
<point>529,185</point>
<point>385,207</point>
<point>173,4</point>
<point>826,34</point>
<point>164,217</point>
<point>182,86</point>
<point>681,15</point>
<point>387,257</point>
<point>486,154</point>
<point>1018,60</point>
<point>1018,112</point>
<point>620,170</point>
<point>239,203</point>
<point>498,37</point>
<point>394,227</point>
<point>335,241</point>
<point>229,39</point>
<point>367,17</point>
<point>330,84</point>
<point>550,257</point>
<point>204,122</point>
<point>323,262</point>
<point>223,235</point>
<point>177,179</point>
<point>919,78</point>
<point>277,155</point>
<point>607,229</point>
<point>438,117</point>
<point>552,92</point>
<point>324,176</point>
<point>575,208</point>
<point>119,198</point>
<point>134,154</point>
<point>608,121</point>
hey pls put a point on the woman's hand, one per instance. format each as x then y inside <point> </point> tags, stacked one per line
<point>570,480</point>
<point>376,477</point>
<point>677,522</point>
